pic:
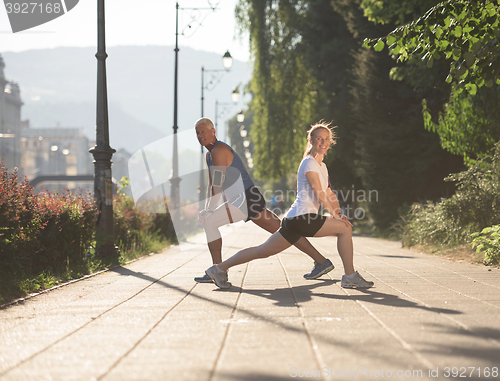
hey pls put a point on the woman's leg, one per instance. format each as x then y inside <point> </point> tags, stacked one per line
<point>274,245</point>
<point>269,221</point>
<point>212,224</point>
<point>336,227</point>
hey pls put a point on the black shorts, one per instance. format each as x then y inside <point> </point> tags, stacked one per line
<point>256,202</point>
<point>305,225</point>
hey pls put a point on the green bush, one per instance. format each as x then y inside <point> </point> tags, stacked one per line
<point>488,242</point>
<point>138,232</point>
<point>45,237</point>
<point>474,206</point>
<point>40,235</point>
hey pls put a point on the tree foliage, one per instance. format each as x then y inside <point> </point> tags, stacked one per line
<point>466,33</point>
<point>464,36</point>
<point>474,206</point>
<point>309,64</point>
<point>469,125</point>
<point>396,156</point>
<point>394,12</point>
<point>284,91</point>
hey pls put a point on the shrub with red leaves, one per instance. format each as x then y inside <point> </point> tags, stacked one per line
<point>41,233</point>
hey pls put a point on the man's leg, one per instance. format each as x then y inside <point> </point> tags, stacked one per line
<point>269,221</point>
<point>212,224</point>
<point>215,248</point>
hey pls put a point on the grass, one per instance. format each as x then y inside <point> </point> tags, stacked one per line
<point>458,253</point>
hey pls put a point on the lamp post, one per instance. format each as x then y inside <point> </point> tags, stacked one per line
<point>246,143</point>
<point>217,104</point>
<point>235,98</point>
<point>102,152</point>
<point>227,63</point>
<point>174,179</point>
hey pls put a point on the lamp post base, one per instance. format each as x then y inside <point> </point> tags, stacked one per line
<point>108,253</point>
<point>103,193</point>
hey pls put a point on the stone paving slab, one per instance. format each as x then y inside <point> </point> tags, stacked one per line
<point>149,320</point>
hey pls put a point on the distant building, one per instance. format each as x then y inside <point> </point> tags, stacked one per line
<point>54,151</point>
<point>10,121</point>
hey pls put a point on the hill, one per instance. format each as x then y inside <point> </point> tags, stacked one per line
<point>58,87</point>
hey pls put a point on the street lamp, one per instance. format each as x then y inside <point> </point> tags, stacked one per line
<point>224,110</point>
<point>235,96</point>
<point>174,179</point>
<point>227,62</point>
<point>243,132</point>
<point>227,107</point>
<point>246,143</point>
<point>240,117</point>
<point>102,152</point>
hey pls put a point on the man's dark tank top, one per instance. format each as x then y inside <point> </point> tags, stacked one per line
<point>234,171</point>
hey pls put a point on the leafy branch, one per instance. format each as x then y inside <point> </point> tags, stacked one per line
<point>466,33</point>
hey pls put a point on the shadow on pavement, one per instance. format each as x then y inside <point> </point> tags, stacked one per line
<point>283,296</point>
<point>304,293</point>
<point>252,315</point>
<point>393,256</point>
<point>286,297</point>
<point>491,352</point>
<point>370,296</point>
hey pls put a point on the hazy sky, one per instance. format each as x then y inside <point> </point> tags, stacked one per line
<point>133,22</point>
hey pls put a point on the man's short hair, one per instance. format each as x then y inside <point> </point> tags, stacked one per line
<point>207,121</point>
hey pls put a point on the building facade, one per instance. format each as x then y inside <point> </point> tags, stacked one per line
<point>50,151</point>
<point>10,121</point>
<point>54,151</point>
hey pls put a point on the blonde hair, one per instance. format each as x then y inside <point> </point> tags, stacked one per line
<point>314,127</point>
<point>207,121</point>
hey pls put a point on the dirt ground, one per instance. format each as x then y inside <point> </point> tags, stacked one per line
<point>461,253</point>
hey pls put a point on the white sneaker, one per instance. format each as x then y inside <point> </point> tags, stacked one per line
<point>355,281</point>
<point>218,276</point>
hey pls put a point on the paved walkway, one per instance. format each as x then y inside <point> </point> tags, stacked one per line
<point>149,320</point>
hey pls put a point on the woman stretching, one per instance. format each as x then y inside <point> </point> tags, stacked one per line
<point>302,219</point>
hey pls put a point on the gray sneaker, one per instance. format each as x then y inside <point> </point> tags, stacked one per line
<point>203,279</point>
<point>218,276</point>
<point>319,270</point>
<point>357,281</point>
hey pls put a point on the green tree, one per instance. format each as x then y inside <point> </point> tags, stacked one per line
<point>382,143</point>
<point>283,89</point>
<point>469,125</point>
<point>396,156</point>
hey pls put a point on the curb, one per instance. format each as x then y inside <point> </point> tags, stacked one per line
<point>21,300</point>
